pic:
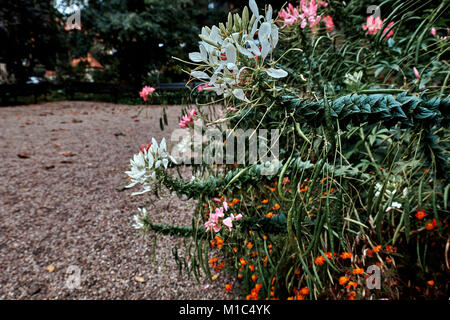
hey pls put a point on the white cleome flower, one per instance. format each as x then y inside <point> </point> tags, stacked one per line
<point>225,52</point>
<point>139,219</point>
<point>144,165</point>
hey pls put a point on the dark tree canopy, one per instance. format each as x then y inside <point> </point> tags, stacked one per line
<point>31,33</point>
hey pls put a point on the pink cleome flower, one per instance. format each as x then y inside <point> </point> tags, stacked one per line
<point>289,15</point>
<point>373,25</point>
<point>188,119</point>
<point>309,13</point>
<point>416,73</point>
<point>228,222</point>
<point>433,31</point>
<point>202,87</point>
<point>146,91</point>
<point>329,23</point>
<point>306,14</point>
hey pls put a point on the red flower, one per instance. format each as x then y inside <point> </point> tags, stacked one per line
<point>431,225</point>
<point>319,260</point>
<point>421,214</point>
<point>145,147</point>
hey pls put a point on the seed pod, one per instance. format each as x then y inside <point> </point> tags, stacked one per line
<point>252,21</point>
<point>237,23</point>
<point>245,18</point>
<point>207,29</point>
<point>208,40</point>
<point>230,23</point>
<point>222,28</point>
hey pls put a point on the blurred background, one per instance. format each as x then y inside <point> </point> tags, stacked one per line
<point>74,44</point>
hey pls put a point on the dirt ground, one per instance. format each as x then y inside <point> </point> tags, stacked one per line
<point>62,216</point>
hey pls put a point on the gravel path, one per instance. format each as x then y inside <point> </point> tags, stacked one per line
<point>61,213</point>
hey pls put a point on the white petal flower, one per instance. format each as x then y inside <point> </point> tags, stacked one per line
<point>196,56</point>
<point>221,53</point>
<point>239,93</point>
<point>143,166</point>
<point>139,219</point>
<point>276,73</point>
<point>199,75</point>
<point>254,8</point>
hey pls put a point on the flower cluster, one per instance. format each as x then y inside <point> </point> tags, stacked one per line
<point>306,15</point>
<point>226,52</point>
<point>188,119</point>
<point>146,163</point>
<point>216,221</point>
<point>140,218</point>
<point>146,92</point>
<point>375,24</point>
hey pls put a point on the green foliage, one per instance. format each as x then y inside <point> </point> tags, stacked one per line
<point>363,163</point>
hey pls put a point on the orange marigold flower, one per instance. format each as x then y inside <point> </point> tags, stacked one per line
<point>265,201</point>
<point>358,271</point>
<point>430,225</point>
<point>389,249</point>
<point>258,207</point>
<point>304,189</point>
<point>352,293</point>
<point>290,298</point>
<point>421,214</point>
<point>213,260</point>
<point>265,259</point>
<point>369,252</point>
<point>377,248</point>
<point>273,280</point>
<point>351,284</point>
<point>388,259</point>
<point>228,287</point>
<point>254,277</point>
<point>304,291</point>
<point>265,237</point>
<point>343,280</point>
<point>329,255</point>
<point>319,260</point>
<point>346,255</point>
<point>235,249</point>
<point>251,267</point>
<point>249,245</point>
<point>235,200</point>
<point>273,189</point>
<point>242,261</point>
<point>430,283</point>
<point>277,206</point>
<point>240,276</point>
<point>300,297</point>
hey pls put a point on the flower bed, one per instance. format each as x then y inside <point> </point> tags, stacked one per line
<point>342,191</point>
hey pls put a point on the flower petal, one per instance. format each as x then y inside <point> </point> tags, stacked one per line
<point>276,73</point>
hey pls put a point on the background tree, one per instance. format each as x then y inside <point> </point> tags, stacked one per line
<point>31,33</point>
